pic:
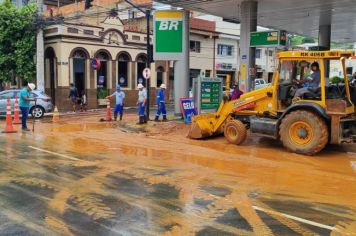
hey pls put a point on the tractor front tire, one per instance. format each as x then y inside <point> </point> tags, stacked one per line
<point>303,132</point>
<point>235,132</point>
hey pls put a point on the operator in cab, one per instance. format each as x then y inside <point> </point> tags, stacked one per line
<point>311,83</point>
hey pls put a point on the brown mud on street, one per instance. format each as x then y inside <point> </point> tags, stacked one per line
<point>85,177</point>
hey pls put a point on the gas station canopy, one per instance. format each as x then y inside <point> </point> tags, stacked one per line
<point>301,17</point>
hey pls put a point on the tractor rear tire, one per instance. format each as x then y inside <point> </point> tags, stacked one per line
<point>235,132</point>
<point>303,132</point>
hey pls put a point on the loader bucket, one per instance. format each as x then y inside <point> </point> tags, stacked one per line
<point>202,126</point>
<point>195,131</point>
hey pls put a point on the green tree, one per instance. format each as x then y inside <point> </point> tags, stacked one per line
<point>296,40</point>
<point>308,40</point>
<point>17,41</point>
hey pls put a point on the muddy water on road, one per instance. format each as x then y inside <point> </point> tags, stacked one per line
<point>107,179</point>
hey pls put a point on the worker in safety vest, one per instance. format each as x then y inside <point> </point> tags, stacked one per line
<point>160,101</point>
<point>141,102</point>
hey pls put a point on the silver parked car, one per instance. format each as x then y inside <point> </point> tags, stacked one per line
<point>43,104</point>
<point>261,83</point>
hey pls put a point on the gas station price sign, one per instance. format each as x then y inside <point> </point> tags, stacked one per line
<point>268,38</point>
<point>210,95</point>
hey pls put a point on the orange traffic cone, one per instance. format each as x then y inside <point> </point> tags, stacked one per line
<point>8,128</point>
<point>55,115</point>
<point>108,111</point>
<point>16,112</point>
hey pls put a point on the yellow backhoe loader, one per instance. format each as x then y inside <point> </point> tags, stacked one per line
<point>304,124</point>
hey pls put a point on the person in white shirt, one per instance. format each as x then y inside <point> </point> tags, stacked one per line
<point>141,102</point>
<point>119,107</point>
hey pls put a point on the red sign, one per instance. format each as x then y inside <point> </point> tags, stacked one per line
<point>96,64</point>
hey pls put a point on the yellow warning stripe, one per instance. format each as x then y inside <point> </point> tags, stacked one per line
<point>169,14</point>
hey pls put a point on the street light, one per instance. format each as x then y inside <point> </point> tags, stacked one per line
<point>147,13</point>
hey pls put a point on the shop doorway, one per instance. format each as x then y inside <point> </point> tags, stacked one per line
<point>160,71</point>
<point>123,69</point>
<point>102,73</point>
<point>50,57</point>
<point>79,74</point>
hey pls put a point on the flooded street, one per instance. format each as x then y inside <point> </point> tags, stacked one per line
<point>83,177</point>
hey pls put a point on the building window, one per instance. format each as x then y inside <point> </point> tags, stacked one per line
<point>225,50</point>
<point>141,65</point>
<point>207,73</point>
<point>136,37</point>
<point>145,39</point>
<point>195,46</point>
<point>79,54</point>
<point>131,14</point>
<point>123,70</point>
<point>51,31</point>
<point>72,30</point>
<point>270,53</point>
<point>258,53</point>
<point>102,72</point>
<point>89,32</point>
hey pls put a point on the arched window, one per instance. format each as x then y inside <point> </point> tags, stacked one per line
<point>141,65</point>
<point>79,56</point>
<point>102,56</point>
<point>123,69</point>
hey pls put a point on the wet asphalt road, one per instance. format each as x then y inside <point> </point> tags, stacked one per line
<point>63,180</point>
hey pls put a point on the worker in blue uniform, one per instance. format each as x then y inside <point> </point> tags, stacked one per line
<point>120,96</point>
<point>141,102</point>
<point>161,106</point>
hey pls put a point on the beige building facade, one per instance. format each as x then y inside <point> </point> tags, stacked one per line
<point>118,41</point>
<point>71,49</point>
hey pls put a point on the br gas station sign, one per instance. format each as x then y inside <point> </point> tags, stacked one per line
<point>168,35</point>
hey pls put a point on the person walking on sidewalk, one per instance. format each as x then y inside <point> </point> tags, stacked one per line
<point>161,106</point>
<point>73,95</point>
<point>141,102</point>
<point>119,107</point>
<point>24,104</point>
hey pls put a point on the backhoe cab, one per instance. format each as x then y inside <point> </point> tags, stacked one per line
<point>305,124</point>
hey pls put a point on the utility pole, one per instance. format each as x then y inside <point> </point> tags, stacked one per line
<point>148,16</point>
<point>147,13</point>
<point>40,52</point>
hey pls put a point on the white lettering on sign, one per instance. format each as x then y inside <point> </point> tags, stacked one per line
<point>169,25</point>
<point>188,106</point>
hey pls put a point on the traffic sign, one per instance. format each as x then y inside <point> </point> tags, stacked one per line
<point>96,64</point>
<point>146,73</point>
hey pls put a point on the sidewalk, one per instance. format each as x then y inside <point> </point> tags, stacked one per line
<point>129,110</point>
